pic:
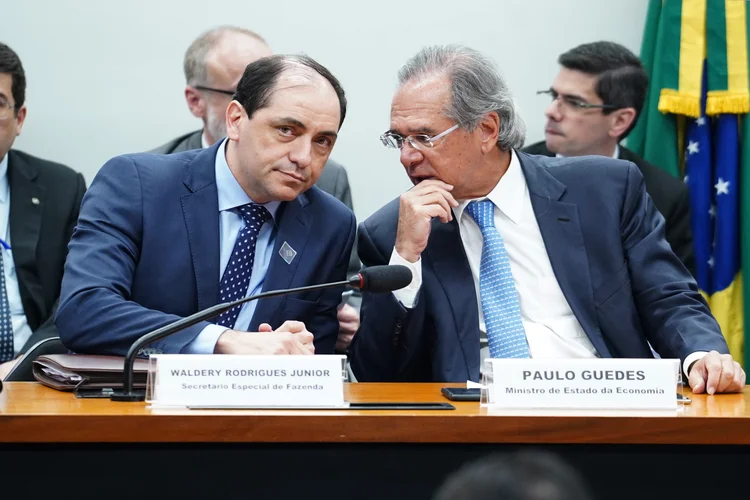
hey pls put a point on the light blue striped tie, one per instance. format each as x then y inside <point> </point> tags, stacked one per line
<point>502,311</point>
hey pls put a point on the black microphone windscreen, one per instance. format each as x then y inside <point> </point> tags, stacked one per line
<point>381,279</point>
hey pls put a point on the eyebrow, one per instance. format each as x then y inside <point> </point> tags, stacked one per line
<point>572,96</point>
<point>299,124</point>
<point>420,130</point>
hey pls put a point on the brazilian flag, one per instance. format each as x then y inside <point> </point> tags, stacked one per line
<point>695,123</point>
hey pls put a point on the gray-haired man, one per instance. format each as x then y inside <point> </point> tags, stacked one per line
<point>515,255</point>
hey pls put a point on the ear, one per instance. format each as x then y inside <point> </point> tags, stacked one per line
<point>235,113</point>
<point>195,101</point>
<point>488,130</point>
<point>620,121</point>
<point>20,117</point>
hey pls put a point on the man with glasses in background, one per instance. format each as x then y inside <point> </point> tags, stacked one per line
<point>516,255</point>
<point>39,204</point>
<point>213,65</point>
<point>597,97</point>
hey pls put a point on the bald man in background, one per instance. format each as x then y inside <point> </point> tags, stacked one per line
<point>213,66</point>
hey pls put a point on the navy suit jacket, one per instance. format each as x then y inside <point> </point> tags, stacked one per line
<point>605,241</point>
<point>145,253</point>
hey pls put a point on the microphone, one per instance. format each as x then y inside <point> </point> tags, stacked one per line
<point>375,279</point>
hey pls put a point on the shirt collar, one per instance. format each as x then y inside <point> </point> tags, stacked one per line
<point>615,155</point>
<point>231,194</point>
<point>4,191</point>
<point>507,195</point>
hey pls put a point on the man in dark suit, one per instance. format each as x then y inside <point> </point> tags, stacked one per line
<point>213,65</point>
<point>596,99</point>
<point>515,255</point>
<point>151,246</point>
<point>39,202</point>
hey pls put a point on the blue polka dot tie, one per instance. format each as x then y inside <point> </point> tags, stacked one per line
<point>502,311</point>
<point>6,325</point>
<point>236,276</point>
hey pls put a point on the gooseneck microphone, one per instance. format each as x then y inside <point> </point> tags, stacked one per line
<point>376,279</point>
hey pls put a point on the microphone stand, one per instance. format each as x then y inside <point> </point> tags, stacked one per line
<point>129,395</point>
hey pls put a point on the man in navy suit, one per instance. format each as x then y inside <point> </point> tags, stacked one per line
<point>160,237</point>
<point>515,255</point>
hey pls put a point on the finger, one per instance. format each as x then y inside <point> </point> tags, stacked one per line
<point>428,184</point>
<point>446,194</point>
<point>696,378</point>
<point>291,326</point>
<point>713,371</point>
<point>305,348</point>
<point>739,378</point>
<point>349,326</point>
<point>437,210</point>
<point>290,345</point>
<point>436,197</point>
<point>304,337</point>
<point>265,328</point>
<point>727,374</point>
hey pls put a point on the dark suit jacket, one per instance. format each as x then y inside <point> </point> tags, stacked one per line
<point>334,179</point>
<point>39,233</point>
<point>670,195</point>
<point>605,241</point>
<point>146,253</point>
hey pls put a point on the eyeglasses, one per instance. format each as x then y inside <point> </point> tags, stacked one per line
<point>211,89</point>
<point>6,109</point>
<point>418,141</point>
<point>573,102</point>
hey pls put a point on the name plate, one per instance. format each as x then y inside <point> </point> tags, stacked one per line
<point>644,384</point>
<point>239,381</point>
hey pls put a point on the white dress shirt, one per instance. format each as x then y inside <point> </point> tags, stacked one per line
<point>552,330</point>
<point>21,328</point>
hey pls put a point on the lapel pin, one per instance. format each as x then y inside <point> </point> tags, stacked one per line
<point>35,200</point>
<point>287,253</point>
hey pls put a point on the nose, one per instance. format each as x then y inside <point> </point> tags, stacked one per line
<point>410,155</point>
<point>553,111</point>
<point>301,153</point>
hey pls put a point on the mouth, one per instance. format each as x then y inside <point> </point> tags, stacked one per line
<point>549,131</point>
<point>416,179</point>
<point>293,176</point>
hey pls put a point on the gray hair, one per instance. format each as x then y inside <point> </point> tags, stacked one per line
<point>194,64</point>
<point>476,89</point>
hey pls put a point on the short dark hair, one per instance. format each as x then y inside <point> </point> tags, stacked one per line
<point>260,78</point>
<point>10,63</point>
<point>530,475</point>
<point>622,80</point>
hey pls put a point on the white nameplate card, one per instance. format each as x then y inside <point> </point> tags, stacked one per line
<point>239,381</point>
<point>643,384</point>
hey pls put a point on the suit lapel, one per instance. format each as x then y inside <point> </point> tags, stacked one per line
<point>447,256</point>
<point>27,198</point>
<point>563,238</point>
<point>294,223</point>
<point>200,211</point>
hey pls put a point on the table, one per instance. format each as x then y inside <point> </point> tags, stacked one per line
<point>365,453</point>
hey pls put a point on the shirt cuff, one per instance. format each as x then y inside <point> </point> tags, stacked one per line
<point>408,295</point>
<point>690,359</point>
<point>205,341</point>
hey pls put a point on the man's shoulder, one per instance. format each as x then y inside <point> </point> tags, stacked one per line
<point>384,222</point>
<point>583,176</point>
<point>46,169</point>
<point>186,142</point>
<point>538,148</point>
<point>653,175</point>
